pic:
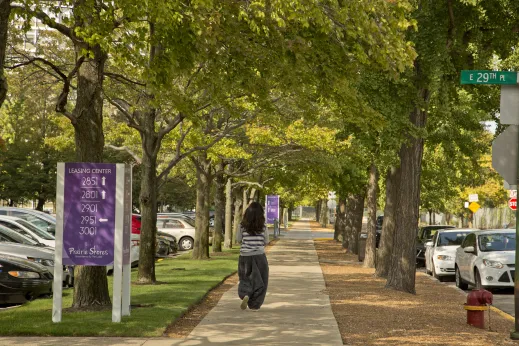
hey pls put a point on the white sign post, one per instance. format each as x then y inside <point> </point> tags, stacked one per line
<point>122,244</point>
<point>473,198</point>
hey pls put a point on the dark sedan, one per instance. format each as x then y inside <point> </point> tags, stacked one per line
<point>22,280</point>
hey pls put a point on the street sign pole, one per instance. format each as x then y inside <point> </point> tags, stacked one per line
<point>515,334</point>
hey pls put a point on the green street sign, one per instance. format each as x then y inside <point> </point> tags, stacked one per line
<point>488,77</point>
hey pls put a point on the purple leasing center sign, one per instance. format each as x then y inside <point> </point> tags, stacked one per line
<point>89,214</point>
<point>272,208</point>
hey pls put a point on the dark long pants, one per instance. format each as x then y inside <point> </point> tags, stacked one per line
<point>253,272</point>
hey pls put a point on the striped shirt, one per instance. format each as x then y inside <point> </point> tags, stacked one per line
<point>252,244</point>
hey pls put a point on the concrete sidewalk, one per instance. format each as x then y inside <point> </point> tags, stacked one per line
<point>296,311</point>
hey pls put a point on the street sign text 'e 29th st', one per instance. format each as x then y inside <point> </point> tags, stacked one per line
<point>489,77</point>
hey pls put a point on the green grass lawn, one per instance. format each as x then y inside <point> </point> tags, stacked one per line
<point>183,282</point>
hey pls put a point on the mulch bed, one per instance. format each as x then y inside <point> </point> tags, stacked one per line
<point>369,314</point>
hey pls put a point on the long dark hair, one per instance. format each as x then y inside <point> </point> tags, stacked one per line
<point>254,219</point>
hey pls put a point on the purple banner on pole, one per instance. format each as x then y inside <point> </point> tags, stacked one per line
<point>89,214</point>
<point>272,208</point>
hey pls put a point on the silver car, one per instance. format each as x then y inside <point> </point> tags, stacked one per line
<point>16,245</point>
<point>43,221</point>
<point>27,229</point>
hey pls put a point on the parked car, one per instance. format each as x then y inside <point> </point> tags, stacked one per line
<point>425,235</point>
<point>43,255</point>
<point>183,216</point>
<point>8,235</point>
<point>170,241</point>
<point>134,252</point>
<point>162,247</point>
<point>379,222</point>
<point>182,229</point>
<point>441,251</point>
<point>173,244</point>
<point>136,224</point>
<point>486,259</point>
<point>43,221</point>
<point>23,280</point>
<point>25,228</point>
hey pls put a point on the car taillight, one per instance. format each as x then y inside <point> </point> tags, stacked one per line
<point>136,242</point>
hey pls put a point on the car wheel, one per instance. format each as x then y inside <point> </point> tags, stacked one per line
<point>459,281</point>
<point>477,279</point>
<point>186,243</point>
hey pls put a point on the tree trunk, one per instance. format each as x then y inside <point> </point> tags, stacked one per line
<point>203,193</point>
<point>40,204</point>
<point>252,195</point>
<point>219,209</point>
<point>348,223</point>
<point>356,222</point>
<point>228,215</point>
<point>5,11</point>
<point>290,211</point>
<point>430,217</point>
<point>448,218</point>
<point>237,212</point>
<point>245,200</point>
<point>91,285</point>
<point>387,235</point>
<point>371,248</point>
<point>340,220</point>
<point>324,213</point>
<point>403,260</point>
<point>148,204</point>
<point>317,211</point>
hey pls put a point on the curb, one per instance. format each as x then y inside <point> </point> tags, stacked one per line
<point>322,239</point>
<point>502,313</point>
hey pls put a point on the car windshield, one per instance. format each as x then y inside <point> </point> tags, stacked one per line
<point>497,242</point>
<point>451,238</point>
<point>16,237</point>
<point>36,230</point>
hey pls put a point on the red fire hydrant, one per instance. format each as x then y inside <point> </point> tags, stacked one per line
<point>476,306</point>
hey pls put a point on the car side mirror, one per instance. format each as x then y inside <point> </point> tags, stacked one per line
<point>429,243</point>
<point>469,249</point>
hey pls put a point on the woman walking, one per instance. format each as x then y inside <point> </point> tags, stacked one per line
<point>253,268</point>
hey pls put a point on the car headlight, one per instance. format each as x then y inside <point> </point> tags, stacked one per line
<point>24,275</point>
<point>445,258</point>
<point>493,264</point>
<point>42,261</point>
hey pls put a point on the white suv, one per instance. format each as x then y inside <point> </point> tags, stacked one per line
<point>486,259</point>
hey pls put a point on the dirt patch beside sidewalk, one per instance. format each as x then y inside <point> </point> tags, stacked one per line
<point>369,314</point>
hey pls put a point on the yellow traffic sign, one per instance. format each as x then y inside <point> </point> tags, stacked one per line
<point>474,207</point>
